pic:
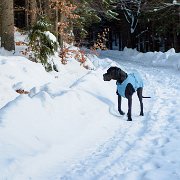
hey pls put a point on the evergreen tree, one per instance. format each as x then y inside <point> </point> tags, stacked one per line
<point>102,8</point>
<point>42,45</point>
<point>92,13</point>
<point>163,23</point>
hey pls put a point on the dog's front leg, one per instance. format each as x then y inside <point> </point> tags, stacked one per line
<point>119,105</point>
<point>129,108</point>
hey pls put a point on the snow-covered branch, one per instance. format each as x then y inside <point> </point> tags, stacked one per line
<point>131,11</point>
<point>149,7</point>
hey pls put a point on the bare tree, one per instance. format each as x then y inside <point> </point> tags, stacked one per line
<point>7,21</point>
<point>65,16</point>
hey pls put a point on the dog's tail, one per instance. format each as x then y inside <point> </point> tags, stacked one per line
<point>146,97</point>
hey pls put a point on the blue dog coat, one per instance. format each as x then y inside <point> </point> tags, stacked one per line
<point>133,78</point>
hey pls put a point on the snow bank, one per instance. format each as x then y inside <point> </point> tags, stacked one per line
<point>169,59</point>
<point>70,114</point>
<point>55,123</point>
<point>17,72</point>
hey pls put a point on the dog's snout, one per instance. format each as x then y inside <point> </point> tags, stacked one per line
<point>106,77</point>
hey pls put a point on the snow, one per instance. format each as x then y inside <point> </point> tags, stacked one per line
<point>169,59</point>
<point>174,2</point>
<point>68,126</point>
<point>51,36</point>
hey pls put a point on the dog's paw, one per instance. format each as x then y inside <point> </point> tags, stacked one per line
<point>121,112</point>
<point>141,114</point>
<point>129,119</point>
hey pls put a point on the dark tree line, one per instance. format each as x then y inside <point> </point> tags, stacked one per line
<point>151,25</point>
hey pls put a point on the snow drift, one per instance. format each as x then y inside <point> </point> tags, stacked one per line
<point>68,126</point>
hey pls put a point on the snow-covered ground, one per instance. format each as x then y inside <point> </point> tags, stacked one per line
<point>68,126</point>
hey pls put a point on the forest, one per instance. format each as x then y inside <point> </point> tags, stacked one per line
<point>113,24</point>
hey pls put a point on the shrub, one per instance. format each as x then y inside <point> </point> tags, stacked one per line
<point>43,44</point>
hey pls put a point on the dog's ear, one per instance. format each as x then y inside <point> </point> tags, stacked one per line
<point>113,68</point>
<point>110,69</point>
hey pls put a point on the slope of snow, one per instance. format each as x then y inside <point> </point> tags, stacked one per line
<point>68,126</point>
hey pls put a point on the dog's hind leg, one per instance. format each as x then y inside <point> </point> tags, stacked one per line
<point>119,105</point>
<point>139,94</point>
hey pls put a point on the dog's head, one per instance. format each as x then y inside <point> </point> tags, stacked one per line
<point>115,73</point>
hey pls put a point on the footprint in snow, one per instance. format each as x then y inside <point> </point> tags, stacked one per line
<point>161,141</point>
<point>3,61</point>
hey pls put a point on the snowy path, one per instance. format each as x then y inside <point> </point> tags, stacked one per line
<point>144,148</point>
<point>68,127</point>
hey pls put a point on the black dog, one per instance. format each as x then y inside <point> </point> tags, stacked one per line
<point>127,84</point>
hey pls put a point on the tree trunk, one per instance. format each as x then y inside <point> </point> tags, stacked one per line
<point>7,25</point>
<point>175,31</point>
<point>60,36</point>
<point>46,8</point>
<point>51,15</point>
<point>0,23</point>
<point>33,11</point>
<point>26,13</point>
<point>54,22</point>
<point>175,40</point>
